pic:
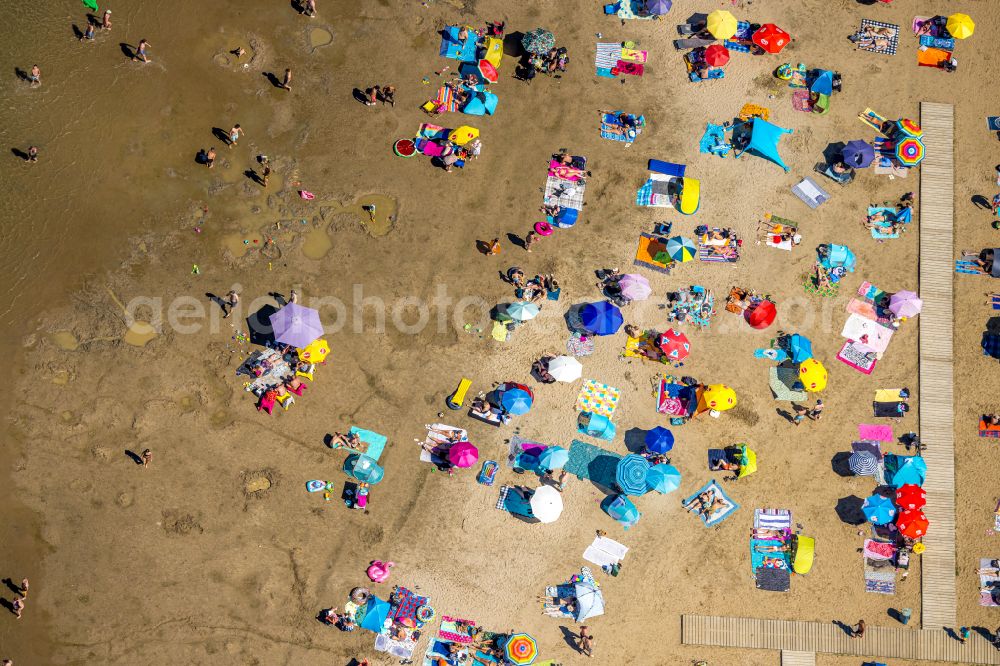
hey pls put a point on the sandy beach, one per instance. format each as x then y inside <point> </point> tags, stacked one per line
<point>215,553</point>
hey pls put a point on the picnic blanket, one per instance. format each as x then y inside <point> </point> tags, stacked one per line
<point>612,130</point>
<point>446,102</point>
<point>597,398</point>
<point>781,379</point>
<point>878,37</point>
<point>564,193</point>
<point>372,443</point>
<point>858,357</point>
<point>645,253</point>
<point>868,333</point>
<point>655,192</point>
<point>876,433</point>
<point>715,492</point>
<point>880,581</point>
<point>989,583</point>
<point>879,550</point>
<point>587,461</point>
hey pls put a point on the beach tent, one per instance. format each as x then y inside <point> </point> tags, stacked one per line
<point>481,102</point>
<point>748,461</point>
<point>596,425</point>
<point>363,468</point>
<point>803,551</point>
<point>799,348</point>
<point>589,600</point>
<point>493,50</point>
<point>376,613</point>
<point>839,256</point>
<point>823,83</point>
<point>763,141</point>
<point>621,509</point>
<point>909,470</point>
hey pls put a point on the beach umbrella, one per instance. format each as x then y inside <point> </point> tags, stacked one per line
<point>621,509</point>
<point>905,304</point>
<point>538,41</point>
<point>674,344</point>
<point>863,463</point>
<point>296,325</point>
<point>589,600</point>
<point>487,71</point>
<point>630,474</point>
<point>960,26</point>
<point>716,55</point>
<point>553,457</point>
<point>521,311</point>
<point>721,24</point>
<point>514,398</point>
<point>761,315</point>
<point>909,127</point>
<point>909,470</point>
<point>771,38</point>
<point>463,454</point>
<point>376,612</point>
<point>858,154</point>
<point>315,352</point>
<point>878,510</point>
<point>800,348</point>
<point>546,504</point>
<point>658,7</point>
<point>912,523</point>
<point>659,440</point>
<point>601,318</point>
<point>463,134</point>
<point>634,287</point>
<point>910,496</point>
<point>681,249</point>
<point>748,461</point>
<point>719,397</point>
<point>91,4</point>
<point>565,369</point>
<point>812,374</point>
<point>663,479</point>
<point>910,151</point>
<point>521,649</point>
<point>363,468</point>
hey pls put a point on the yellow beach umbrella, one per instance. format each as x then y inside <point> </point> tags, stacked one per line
<point>722,24</point>
<point>463,135</point>
<point>719,397</point>
<point>315,352</point>
<point>960,26</point>
<point>812,374</point>
<point>748,462</point>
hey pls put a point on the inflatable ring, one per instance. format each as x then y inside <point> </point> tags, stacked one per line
<point>360,595</point>
<point>424,614</point>
<point>919,548</point>
<point>404,148</point>
<point>543,228</point>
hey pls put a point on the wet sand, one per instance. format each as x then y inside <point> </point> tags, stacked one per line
<point>215,553</point>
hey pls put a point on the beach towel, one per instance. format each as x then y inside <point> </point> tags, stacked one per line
<point>879,581</point>
<point>989,583</point>
<point>728,254</point>
<point>876,433</point>
<point>718,515</point>
<point>713,141</point>
<point>885,39</point>
<point>570,172</point>
<point>889,410</point>
<point>649,247</point>
<point>857,357</point>
<point>407,603</point>
<point>398,649</point>
<point>943,43</point>
<point>631,9</point>
<point>564,193</point>
<point>766,560</point>
<point>597,398</point>
<point>605,552</point>
<point>872,119</point>
<point>988,430</point>
<point>781,379</point>
<point>889,395</point>
<point>375,442</point>
<point>879,550</point>
<point>772,519</point>
<point>918,23</point>
<point>446,100</point>
<point>633,55</point>
<point>630,68</point>
<point>580,345</point>
<point>512,501</point>
<point>587,461</point>
<point>449,630</point>
<point>800,101</point>
<point>736,47</point>
<point>451,47</point>
<point>932,57</point>
<point>869,334</point>
<point>432,131</point>
<point>692,43</point>
<point>611,127</point>
<point>607,56</point>
<point>773,579</point>
<point>655,192</point>
<point>967,267</point>
<point>809,191</point>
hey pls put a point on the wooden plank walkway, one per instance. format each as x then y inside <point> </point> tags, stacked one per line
<point>937,204</point>
<point>797,658</point>
<point>800,638</point>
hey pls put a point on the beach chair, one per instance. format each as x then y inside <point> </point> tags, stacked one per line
<point>266,404</point>
<point>839,178</point>
<point>298,391</point>
<point>456,399</point>
<point>286,401</point>
<point>306,372</point>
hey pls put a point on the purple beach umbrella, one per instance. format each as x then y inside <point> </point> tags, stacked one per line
<point>296,325</point>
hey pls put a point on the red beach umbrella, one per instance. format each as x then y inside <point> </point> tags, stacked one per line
<point>675,345</point>
<point>771,38</point>
<point>716,55</point>
<point>910,496</point>
<point>761,315</point>
<point>912,523</point>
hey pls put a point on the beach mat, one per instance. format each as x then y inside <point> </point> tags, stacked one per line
<point>597,398</point>
<point>892,38</point>
<point>719,514</point>
<point>564,193</point>
<point>781,379</point>
<point>587,461</point>
<point>875,433</point>
<point>649,247</point>
<point>607,56</point>
<point>800,101</point>
<point>376,442</point>
<point>862,361</point>
<point>773,580</point>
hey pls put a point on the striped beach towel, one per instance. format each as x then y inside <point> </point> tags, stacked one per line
<point>607,56</point>
<point>446,100</point>
<point>772,519</point>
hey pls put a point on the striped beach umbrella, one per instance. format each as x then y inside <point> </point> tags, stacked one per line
<point>630,474</point>
<point>681,249</point>
<point>909,127</point>
<point>521,649</point>
<point>910,151</point>
<point>863,463</point>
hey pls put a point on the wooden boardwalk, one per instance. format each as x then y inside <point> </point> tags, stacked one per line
<point>802,640</point>
<point>937,203</point>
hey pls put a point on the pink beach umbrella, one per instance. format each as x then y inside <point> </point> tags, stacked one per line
<point>463,454</point>
<point>905,304</point>
<point>635,287</point>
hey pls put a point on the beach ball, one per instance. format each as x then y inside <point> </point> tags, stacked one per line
<point>812,374</point>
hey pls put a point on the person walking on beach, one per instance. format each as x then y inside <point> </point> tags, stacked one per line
<point>494,247</point>
<point>858,631</point>
<point>235,134</point>
<point>800,414</point>
<point>232,300</point>
<point>963,634</point>
<point>88,34</point>
<point>287,83</point>
<point>106,20</point>
<point>265,174</point>
<point>140,51</point>
<point>24,588</point>
<point>389,95</point>
<point>147,457</point>
<point>530,239</point>
<point>32,154</point>
<point>585,642</point>
<point>210,157</point>
<point>35,78</point>
<point>293,297</point>
<point>17,606</point>
<point>310,8</point>
<point>816,413</point>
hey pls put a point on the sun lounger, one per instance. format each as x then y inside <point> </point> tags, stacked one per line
<point>874,120</point>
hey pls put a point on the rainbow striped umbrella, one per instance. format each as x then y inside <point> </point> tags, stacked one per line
<point>909,127</point>
<point>910,151</point>
<point>521,649</point>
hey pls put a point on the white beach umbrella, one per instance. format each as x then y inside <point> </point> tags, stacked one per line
<point>546,504</point>
<point>565,369</point>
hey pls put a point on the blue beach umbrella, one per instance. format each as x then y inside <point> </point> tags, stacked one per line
<point>659,440</point>
<point>601,318</point>
<point>878,510</point>
<point>858,154</point>
<point>515,400</point>
<point>911,469</point>
<point>363,468</point>
<point>376,612</point>
<point>630,474</point>
<point>658,7</point>
<point>553,457</point>
<point>663,478</point>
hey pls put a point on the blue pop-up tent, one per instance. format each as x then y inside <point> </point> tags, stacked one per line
<point>764,138</point>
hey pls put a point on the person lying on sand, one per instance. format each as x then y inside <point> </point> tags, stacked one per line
<point>784,548</point>
<point>350,440</point>
<point>719,465</point>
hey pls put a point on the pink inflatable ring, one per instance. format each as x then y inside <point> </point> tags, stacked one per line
<point>543,228</point>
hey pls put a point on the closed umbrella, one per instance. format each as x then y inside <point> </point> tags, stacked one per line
<point>800,348</point>
<point>905,304</point>
<point>912,523</point>
<point>762,315</point>
<point>634,287</point>
<point>521,649</point>
<point>538,41</point>
<point>771,38</point>
<point>863,463</point>
<point>910,496</point>
<point>960,26</point>
<point>546,504</point>
<point>589,600</point>
<point>813,375</point>
<point>521,311</point>
<point>630,474</point>
<point>514,398</point>
<point>721,24</point>
<point>296,325</point>
<point>716,55</point>
<point>659,440</point>
<point>681,249</point>
<point>719,397</point>
<point>663,479</point>
<point>565,369</point>
<point>463,454</point>
<point>658,7</point>
<point>858,154</point>
<point>601,318</point>
<point>878,510</point>
<point>674,344</point>
<point>553,457</point>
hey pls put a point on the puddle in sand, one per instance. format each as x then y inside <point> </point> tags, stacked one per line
<point>234,243</point>
<point>381,223</point>
<point>317,243</point>
<point>139,334</point>
<point>319,37</point>
<point>65,340</point>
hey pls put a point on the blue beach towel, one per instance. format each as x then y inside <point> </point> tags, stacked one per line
<point>610,125</point>
<point>452,48</point>
<point>375,442</point>
<point>587,461</point>
<point>718,515</point>
<point>713,142</point>
<point>757,558</point>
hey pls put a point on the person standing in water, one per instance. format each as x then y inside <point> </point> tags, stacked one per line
<point>32,154</point>
<point>210,157</point>
<point>234,134</point>
<point>35,76</point>
<point>287,83</point>
<point>106,20</point>
<point>88,34</point>
<point>140,51</point>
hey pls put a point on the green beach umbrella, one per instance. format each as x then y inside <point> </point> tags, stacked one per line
<point>92,4</point>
